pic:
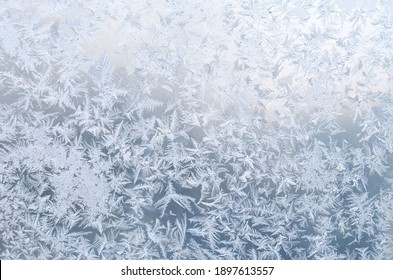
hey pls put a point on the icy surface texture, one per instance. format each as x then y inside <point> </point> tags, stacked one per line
<point>196,129</point>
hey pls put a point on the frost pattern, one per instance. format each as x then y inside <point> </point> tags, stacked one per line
<point>196,130</point>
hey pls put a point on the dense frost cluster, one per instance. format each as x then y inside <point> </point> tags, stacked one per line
<point>176,129</point>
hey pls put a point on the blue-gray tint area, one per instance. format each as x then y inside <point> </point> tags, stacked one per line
<point>196,129</point>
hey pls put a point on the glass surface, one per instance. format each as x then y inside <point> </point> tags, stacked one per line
<point>196,129</point>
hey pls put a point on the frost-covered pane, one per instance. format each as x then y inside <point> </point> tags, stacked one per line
<point>196,130</point>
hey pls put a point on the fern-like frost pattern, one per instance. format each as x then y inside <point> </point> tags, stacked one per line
<point>143,129</point>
